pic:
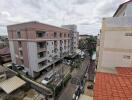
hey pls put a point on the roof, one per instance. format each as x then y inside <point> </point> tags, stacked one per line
<point>11,84</point>
<point>37,22</point>
<point>124,70</point>
<point>121,7</point>
<point>84,35</point>
<point>112,87</point>
<point>4,51</point>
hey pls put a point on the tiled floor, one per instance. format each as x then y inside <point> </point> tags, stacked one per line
<point>112,87</point>
<point>124,70</point>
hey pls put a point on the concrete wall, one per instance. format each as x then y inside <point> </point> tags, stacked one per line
<point>32,57</point>
<point>12,51</point>
<point>129,10</point>
<point>115,46</point>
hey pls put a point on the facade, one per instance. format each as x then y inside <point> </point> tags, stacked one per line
<point>4,42</point>
<point>36,46</point>
<point>74,37</point>
<point>5,55</point>
<point>84,36</point>
<point>116,38</point>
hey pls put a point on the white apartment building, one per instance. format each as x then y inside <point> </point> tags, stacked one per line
<point>36,46</point>
<point>116,39</point>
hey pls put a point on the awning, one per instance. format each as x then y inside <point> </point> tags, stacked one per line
<point>11,84</point>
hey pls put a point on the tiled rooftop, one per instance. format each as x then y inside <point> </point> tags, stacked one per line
<point>124,70</point>
<point>112,87</point>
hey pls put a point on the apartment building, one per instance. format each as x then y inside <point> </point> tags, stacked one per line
<point>84,36</point>
<point>116,38</point>
<point>74,37</point>
<point>36,46</point>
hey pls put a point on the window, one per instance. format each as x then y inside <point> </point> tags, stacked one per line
<point>68,35</point>
<point>40,34</point>
<point>19,34</point>
<point>64,41</point>
<point>19,44</point>
<point>126,57</point>
<point>43,63</point>
<point>41,44</point>
<point>65,35</point>
<point>41,54</point>
<point>55,34</point>
<point>60,34</point>
<point>55,43</point>
<point>55,50</point>
<point>61,42</point>
<point>128,34</point>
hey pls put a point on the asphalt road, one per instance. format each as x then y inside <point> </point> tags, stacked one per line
<point>69,90</point>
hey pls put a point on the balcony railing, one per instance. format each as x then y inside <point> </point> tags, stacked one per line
<point>41,46</point>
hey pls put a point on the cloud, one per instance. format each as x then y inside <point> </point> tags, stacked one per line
<point>87,14</point>
<point>82,1</point>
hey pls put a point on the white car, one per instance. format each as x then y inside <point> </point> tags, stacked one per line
<point>47,79</point>
<point>68,62</point>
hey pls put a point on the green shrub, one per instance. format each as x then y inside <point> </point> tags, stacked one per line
<point>12,98</point>
<point>60,87</point>
<point>67,78</point>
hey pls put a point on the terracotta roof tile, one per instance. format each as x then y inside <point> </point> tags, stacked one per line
<point>124,70</point>
<point>112,87</point>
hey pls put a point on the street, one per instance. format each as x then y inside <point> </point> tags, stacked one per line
<point>69,90</point>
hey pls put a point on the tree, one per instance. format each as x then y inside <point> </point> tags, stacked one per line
<point>88,44</point>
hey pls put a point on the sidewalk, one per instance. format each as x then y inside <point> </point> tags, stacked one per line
<point>88,92</point>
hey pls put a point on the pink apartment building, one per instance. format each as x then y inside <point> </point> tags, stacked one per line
<point>36,46</point>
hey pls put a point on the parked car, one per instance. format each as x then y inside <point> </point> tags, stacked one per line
<point>47,79</point>
<point>68,62</point>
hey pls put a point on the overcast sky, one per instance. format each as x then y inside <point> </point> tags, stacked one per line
<point>86,14</point>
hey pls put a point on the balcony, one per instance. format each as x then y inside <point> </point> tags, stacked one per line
<point>41,54</point>
<point>41,46</point>
<point>61,42</point>
<point>55,50</point>
<point>42,64</point>
<point>55,44</point>
<point>55,35</point>
<point>40,34</point>
<point>61,49</point>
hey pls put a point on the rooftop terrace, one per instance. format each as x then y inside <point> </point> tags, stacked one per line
<point>114,86</point>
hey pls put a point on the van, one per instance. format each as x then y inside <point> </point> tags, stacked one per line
<point>47,79</point>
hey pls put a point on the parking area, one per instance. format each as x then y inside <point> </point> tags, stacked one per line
<point>56,73</point>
